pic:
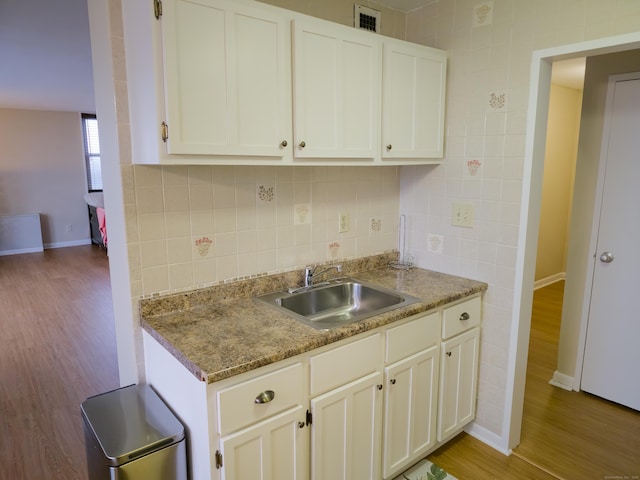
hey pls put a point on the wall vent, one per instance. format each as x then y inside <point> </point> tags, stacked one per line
<point>366,18</point>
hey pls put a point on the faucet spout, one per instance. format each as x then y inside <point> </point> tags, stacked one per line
<point>310,274</point>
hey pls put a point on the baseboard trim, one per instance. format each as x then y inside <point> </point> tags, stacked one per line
<point>488,437</point>
<point>72,243</point>
<point>20,251</point>
<point>543,282</point>
<point>563,381</point>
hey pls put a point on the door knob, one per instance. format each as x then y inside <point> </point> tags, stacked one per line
<point>606,257</point>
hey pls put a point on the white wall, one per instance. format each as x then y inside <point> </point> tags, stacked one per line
<point>42,171</point>
<point>487,106</point>
<point>557,187</point>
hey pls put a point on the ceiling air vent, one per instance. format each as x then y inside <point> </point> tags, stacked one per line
<point>366,18</point>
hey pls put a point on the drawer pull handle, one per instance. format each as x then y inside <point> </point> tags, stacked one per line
<point>265,397</point>
<point>448,354</point>
<point>465,316</point>
<point>301,424</point>
<point>393,381</point>
<point>379,386</point>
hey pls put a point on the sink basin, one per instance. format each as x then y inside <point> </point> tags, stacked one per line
<point>342,301</point>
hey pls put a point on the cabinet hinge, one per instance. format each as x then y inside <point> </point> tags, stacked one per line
<point>218,460</point>
<point>157,8</point>
<point>309,418</point>
<point>165,132</point>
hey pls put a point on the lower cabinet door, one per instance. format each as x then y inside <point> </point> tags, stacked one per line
<point>411,387</point>
<point>275,449</point>
<point>346,431</point>
<point>458,382</point>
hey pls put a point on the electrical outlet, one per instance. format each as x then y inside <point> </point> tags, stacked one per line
<point>462,215</point>
<point>343,222</point>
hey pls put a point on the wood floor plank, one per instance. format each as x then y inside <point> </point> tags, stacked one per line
<point>57,347</point>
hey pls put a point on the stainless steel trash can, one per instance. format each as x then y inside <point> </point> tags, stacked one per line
<point>130,434</point>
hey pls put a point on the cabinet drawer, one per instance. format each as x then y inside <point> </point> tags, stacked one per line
<point>344,364</point>
<point>412,337</point>
<point>237,405</point>
<point>460,317</point>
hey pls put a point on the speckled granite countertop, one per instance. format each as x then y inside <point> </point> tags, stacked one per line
<point>223,331</point>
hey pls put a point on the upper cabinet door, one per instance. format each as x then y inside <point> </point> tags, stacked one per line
<point>412,101</point>
<point>336,73</point>
<point>227,78</point>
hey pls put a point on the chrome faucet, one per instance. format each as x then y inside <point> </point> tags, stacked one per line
<point>310,274</point>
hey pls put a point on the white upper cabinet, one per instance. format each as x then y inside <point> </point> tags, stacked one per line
<point>227,78</point>
<point>412,101</point>
<point>336,89</point>
<point>240,82</point>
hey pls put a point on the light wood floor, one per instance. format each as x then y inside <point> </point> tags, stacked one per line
<point>565,435</point>
<point>57,347</point>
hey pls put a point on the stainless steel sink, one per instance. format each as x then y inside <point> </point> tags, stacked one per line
<point>337,303</point>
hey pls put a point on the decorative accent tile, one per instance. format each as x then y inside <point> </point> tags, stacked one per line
<point>266,194</point>
<point>483,14</point>
<point>497,101</point>
<point>434,243</point>
<point>334,249</point>
<point>376,224</point>
<point>302,214</point>
<point>473,166</point>
<point>203,245</point>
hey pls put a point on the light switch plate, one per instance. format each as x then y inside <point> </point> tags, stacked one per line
<point>462,215</point>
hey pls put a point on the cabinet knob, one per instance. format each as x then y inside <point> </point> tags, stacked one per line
<point>283,143</point>
<point>301,424</point>
<point>265,397</point>
<point>448,354</point>
<point>606,257</point>
<point>303,144</point>
<point>393,381</point>
<point>379,386</point>
<point>389,147</point>
<point>465,316</point>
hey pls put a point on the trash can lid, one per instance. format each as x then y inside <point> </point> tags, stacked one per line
<point>130,422</point>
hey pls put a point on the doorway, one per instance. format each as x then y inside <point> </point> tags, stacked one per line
<point>572,333</point>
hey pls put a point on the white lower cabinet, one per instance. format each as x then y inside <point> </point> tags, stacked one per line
<point>364,408</point>
<point>275,449</point>
<point>458,387</point>
<point>346,431</point>
<point>410,409</point>
<point>459,358</point>
<point>411,389</point>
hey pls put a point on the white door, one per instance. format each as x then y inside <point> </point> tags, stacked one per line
<point>612,350</point>
<point>410,409</point>
<point>458,382</point>
<point>276,449</point>
<point>226,78</point>
<point>413,97</point>
<point>346,431</point>
<point>336,91</point>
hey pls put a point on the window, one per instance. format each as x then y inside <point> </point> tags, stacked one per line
<point>92,152</point>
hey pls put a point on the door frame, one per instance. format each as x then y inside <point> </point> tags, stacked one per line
<point>535,143</point>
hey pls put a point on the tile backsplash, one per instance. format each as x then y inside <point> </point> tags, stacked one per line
<point>194,226</point>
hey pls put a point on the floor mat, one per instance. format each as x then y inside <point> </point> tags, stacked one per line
<point>425,470</point>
